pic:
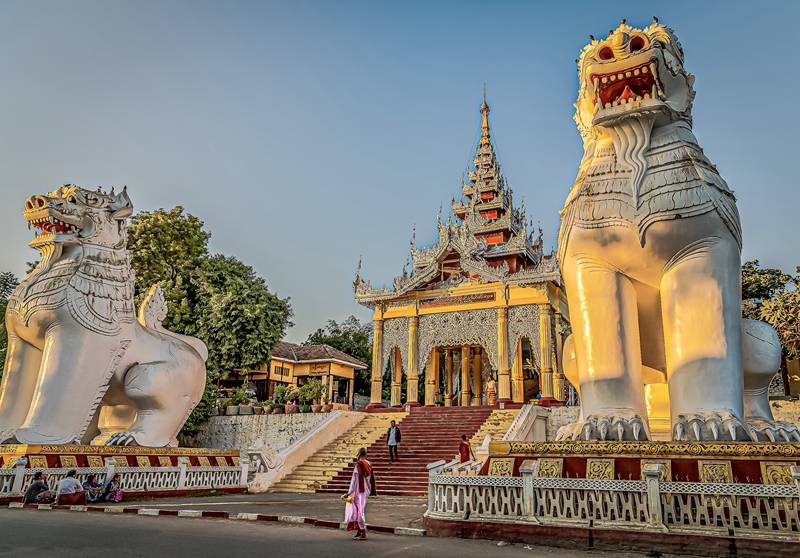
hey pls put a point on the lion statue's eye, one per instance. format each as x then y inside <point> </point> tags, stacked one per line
<point>72,199</point>
<point>605,53</point>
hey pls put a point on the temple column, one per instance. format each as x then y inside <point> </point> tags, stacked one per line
<point>376,385</point>
<point>559,386</point>
<point>431,373</point>
<point>465,375</point>
<point>517,381</point>
<point>412,374</point>
<point>477,378</point>
<point>448,379</point>
<point>546,356</point>
<point>397,374</point>
<point>503,372</point>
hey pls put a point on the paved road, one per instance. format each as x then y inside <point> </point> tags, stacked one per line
<point>388,511</point>
<point>86,535</point>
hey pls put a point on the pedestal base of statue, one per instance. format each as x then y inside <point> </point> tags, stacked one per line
<point>550,402</point>
<point>144,472</point>
<point>704,462</point>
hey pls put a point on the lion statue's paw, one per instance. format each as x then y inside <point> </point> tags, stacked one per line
<point>709,426</point>
<point>122,439</point>
<point>8,436</point>
<point>611,425</point>
<point>773,431</point>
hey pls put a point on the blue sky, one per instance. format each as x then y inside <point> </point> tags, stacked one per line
<point>305,134</point>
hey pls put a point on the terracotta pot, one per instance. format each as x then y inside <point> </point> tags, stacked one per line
<point>277,411</point>
<point>231,410</point>
<point>291,408</point>
<point>327,408</point>
<point>258,410</point>
<point>316,408</point>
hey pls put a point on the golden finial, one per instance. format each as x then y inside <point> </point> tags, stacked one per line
<point>485,120</point>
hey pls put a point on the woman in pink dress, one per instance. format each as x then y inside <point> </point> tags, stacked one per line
<point>362,485</point>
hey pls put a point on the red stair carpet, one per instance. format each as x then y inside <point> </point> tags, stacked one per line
<point>428,434</point>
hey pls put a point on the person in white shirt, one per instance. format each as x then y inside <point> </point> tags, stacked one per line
<point>69,485</point>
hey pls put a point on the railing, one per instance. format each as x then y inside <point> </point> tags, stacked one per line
<point>745,510</point>
<point>15,481</point>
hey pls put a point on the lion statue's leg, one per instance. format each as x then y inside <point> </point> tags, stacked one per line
<point>607,352</point>
<point>76,367</point>
<point>701,316</point>
<point>761,360</point>
<point>20,373</point>
<point>163,393</point>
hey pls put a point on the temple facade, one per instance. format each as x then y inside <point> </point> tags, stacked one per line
<point>480,316</point>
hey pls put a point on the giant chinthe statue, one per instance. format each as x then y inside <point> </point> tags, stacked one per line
<point>649,248</point>
<point>80,362</point>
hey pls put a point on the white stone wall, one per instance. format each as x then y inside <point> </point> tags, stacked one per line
<point>240,432</point>
<point>559,416</point>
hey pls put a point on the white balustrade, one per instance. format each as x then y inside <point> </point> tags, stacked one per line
<point>14,481</point>
<point>743,510</point>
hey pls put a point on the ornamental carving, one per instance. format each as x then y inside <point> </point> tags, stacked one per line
<point>523,321</point>
<point>471,327</point>
<point>717,472</point>
<point>666,468</point>
<point>602,469</point>
<point>756,450</point>
<point>550,467</point>
<point>395,335</point>
<point>501,467</point>
<point>776,472</point>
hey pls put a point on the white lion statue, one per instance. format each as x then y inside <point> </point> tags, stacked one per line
<point>79,361</point>
<point>649,248</point>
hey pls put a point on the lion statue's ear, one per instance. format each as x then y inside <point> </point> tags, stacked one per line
<point>122,207</point>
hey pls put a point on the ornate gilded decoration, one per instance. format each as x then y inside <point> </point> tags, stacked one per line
<point>40,462</point>
<point>550,468</point>
<point>501,467</point>
<point>523,321</point>
<point>715,471</point>
<point>776,472</point>
<point>142,461</point>
<point>666,469</point>
<point>50,449</point>
<point>395,336</point>
<point>92,460</point>
<point>755,450</point>
<point>471,327</point>
<point>121,460</point>
<point>164,461</point>
<point>68,461</point>
<point>600,469</point>
<point>203,461</point>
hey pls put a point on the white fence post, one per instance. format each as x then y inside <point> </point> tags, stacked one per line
<point>111,467</point>
<point>652,475</point>
<point>19,474</point>
<point>183,464</point>
<point>433,469</point>
<point>244,463</point>
<point>528,470</point>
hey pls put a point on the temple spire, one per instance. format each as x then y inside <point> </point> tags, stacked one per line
<point>485,135</point>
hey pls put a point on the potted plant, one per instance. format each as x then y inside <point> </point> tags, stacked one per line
<point>231,408</point>
<point>292,394</point>
<point>241,399</point>
<point>326,405</point>
<point>311,393</point>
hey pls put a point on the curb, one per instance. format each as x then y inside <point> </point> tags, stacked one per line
<point>217,514</point>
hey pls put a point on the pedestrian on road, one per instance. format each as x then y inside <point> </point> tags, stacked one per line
<point>362,485</point>
<point>70,490</point>
<point>37,487</point>
<point>393,440</point>
<point>465,450</point>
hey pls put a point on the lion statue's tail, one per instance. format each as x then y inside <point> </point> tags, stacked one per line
<point>153,311</point>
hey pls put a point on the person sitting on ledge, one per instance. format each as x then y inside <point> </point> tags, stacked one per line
<point>113,492</point>
<point>93,489</point>
<point>37,487</point>
<point>70,490</point>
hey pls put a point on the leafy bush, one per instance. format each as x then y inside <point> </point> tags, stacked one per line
<point>279,396</point>
<point>311,391</point>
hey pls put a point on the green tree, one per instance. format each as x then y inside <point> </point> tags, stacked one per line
<point>8,282</point>
<point>216,298</point>
<point>782,312</point>
<point>352,337</point>
<point>758,285</point>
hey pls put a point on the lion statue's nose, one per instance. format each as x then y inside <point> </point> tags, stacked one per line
<point>35,202</point>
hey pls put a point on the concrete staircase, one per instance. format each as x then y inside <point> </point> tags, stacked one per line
<point>327,462</point>
<point>495,426</point>
<point>429,434</point>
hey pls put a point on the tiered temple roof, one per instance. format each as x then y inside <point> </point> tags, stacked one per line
<point>484,239</point>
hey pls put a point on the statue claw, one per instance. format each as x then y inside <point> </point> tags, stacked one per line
<point>122,439</point>
<point>708,426</point>
<point>773,431</point>
<point>623,426</point>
